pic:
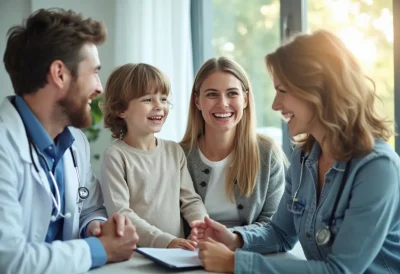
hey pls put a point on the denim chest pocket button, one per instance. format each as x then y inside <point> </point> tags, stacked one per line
<point>297,209</point>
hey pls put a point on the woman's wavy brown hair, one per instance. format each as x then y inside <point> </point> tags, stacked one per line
<point>319,69</point>
<point>128,82</point>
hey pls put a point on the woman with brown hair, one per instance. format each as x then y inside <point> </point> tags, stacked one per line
<point>238,173</point>
<point>342,192</point>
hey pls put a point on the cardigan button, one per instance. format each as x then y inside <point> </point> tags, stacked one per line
<point>206,171</point>
<point>240,207</point>
<point>203,184</point>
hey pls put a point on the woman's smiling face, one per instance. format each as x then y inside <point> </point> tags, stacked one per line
<point>221,100</point>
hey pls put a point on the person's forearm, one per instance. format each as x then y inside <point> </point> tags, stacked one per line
<point>231,263</point>
<point>237,242</point>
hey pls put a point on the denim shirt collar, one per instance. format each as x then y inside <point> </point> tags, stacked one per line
<point>313,156</point>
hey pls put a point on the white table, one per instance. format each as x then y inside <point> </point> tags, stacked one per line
<point>141,265</point>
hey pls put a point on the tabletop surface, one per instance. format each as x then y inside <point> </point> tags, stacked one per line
<point>139,264</point>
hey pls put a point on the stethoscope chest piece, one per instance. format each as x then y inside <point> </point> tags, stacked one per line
<point>83,193</point>
<point>323,236</point>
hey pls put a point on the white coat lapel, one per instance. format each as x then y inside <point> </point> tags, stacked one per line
<point>70,183</point>
<point>41,177</point>
<point>13,122</point>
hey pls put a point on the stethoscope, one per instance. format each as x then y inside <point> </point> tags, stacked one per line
<point>324,234</point>
<point>83,192</point>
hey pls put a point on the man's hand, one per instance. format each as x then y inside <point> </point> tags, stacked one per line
<point>216,257</point>
<point>182,243</point>
<point>118,237</point>
<point>94,227</point>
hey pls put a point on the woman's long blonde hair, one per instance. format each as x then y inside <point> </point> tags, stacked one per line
<point>246,160</point>
<point>319,69</point>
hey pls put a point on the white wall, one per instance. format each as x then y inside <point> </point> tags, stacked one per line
<point>12,13</point>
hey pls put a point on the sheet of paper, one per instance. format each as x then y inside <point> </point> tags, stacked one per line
<point>174,256</point>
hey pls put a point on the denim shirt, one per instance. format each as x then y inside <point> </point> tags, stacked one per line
<point>366,224</point>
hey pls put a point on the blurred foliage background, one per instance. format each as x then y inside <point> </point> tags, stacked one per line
<point>93,132</point>
<point>247,30</point>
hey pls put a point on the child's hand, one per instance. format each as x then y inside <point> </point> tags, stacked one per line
<point>182,243</point>
<point>199,237</point>
<point>197,234</point>
<point>198,230</point>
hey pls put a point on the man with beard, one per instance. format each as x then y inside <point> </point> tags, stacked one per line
<point>52,214</point>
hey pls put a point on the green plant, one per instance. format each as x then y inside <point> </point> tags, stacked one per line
<point>93,132</point>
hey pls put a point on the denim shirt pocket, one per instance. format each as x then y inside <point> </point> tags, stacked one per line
<point>297,209</point>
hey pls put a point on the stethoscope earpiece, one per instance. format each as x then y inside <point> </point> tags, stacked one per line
<point>66,216</point>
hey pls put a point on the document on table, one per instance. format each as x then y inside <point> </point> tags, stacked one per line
<point>172,257</point>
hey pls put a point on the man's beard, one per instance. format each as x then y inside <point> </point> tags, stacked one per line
<point>75,110</point>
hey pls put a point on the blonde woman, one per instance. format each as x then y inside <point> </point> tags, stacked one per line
<point>238,173</point>
<point>342,190</point>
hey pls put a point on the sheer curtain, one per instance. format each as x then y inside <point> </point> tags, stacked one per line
<point>157,32</point>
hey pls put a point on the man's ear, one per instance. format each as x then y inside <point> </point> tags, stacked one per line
<point>59,75</point>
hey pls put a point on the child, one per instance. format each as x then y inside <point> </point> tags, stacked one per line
<point>144,177</point>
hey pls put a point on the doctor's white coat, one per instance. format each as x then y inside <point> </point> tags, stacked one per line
<point>26,205</point>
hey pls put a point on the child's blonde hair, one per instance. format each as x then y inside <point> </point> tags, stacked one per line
<point>126,83</point>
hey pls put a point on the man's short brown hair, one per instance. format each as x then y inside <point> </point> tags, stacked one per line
<point>46,36</point>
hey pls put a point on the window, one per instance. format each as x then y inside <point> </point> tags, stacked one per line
<point>366,27</point>
<point>246,31</point>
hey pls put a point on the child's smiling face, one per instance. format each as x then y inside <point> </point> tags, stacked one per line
<point>146,115</point>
